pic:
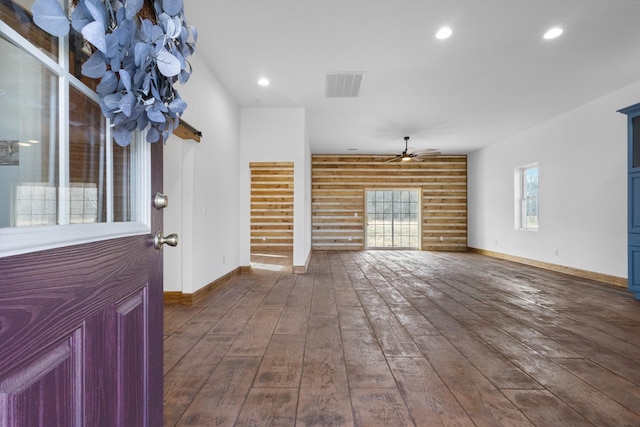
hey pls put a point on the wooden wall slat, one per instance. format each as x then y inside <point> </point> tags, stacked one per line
<point>338,189</point>
<point>271,206</point>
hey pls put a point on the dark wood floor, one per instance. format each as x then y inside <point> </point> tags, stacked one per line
<point>385,338</point>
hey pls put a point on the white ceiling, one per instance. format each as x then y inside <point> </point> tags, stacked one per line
<point>494,77</point>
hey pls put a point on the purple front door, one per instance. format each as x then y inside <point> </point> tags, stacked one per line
<point>81,332</point>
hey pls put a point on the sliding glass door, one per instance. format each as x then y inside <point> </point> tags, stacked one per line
<point>393,218</point>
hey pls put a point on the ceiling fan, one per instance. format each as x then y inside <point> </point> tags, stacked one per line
<point>408,155</point>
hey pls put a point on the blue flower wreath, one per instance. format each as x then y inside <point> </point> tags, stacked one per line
<point>137,60</point>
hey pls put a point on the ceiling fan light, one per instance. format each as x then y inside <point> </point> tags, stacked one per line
<point>406,158</point>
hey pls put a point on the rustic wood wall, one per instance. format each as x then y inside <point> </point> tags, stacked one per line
<point>339,183</point>
<point>271,206</point>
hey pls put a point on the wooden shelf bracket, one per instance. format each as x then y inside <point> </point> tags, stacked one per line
<point>186,131</point>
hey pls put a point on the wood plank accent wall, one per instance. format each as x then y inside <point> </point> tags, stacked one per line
<point>271,206</point>
<point>338,191</point>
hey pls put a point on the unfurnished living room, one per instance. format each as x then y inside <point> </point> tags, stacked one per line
<point>337,213</point>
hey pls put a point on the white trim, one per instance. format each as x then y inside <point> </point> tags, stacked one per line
<point>140,172</point>
<point>82,88</point>
<point>109,165</point>
<point>14,37</point>
<point>64,207</point>
<point>21,240</point>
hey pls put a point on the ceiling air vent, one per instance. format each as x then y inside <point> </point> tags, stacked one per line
<point>344,85</point>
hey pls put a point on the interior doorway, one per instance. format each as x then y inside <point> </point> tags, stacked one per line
<point>271,207</point>
<point>393,219</point>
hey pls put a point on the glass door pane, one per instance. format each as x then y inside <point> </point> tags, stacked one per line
<point>86,195</point>
<point>28,140</point>
<point>393,219</point>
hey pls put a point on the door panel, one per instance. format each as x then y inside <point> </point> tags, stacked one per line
<point>42,391</point>
<point>132,344</point>
<point>93,314</point>
<point>634,202</point>
<point>634,271</point>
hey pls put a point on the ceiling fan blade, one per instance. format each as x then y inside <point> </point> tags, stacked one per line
<point>393,159</point>
<point>429,154</point>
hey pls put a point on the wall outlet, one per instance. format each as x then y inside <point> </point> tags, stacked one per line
<point>441,239</point>
<point>350,238</point>
<point>264,238</point>
<point>555,251</point>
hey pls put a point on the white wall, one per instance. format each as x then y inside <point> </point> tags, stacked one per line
<point>582,158</point>
<point>277,135</point>
<point>202,182</point>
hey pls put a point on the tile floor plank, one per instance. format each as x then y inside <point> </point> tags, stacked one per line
<point>451,365</point>
<point>430,401</point>
<point>380,407</point>
<point>545,409</point>
<point>181,386</point>
<point>176,346</point>
<point>221,398</point>
<point>256,335</point>
<point>281,365</point>
<point>269,407</point>
<point>491,408</point>
<point>614,386</point>
<point>607,357</point>
<point>177,317</point>
<point>280,291</point>
<point>324,390</point>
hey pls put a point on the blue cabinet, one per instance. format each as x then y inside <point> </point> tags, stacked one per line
<point>633,125</point>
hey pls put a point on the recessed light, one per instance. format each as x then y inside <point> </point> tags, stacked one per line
<point>264,82</point>
<point>444,33</point>
<point>24,144</point>
<point>552,33</point>
<point>33,141</point>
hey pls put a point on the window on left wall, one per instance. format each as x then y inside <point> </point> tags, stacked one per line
<point>59,165</point>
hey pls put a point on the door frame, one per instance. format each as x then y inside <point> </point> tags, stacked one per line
<point>418,190</point>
